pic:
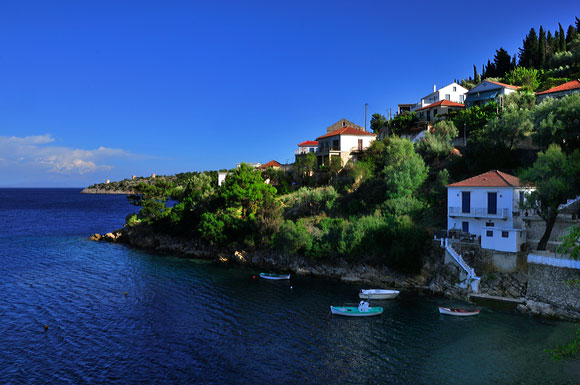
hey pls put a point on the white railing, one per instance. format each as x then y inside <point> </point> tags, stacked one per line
<point>551,261</point>
<point>569,202</point>
<point>471,277</point>
<point>477,212</point>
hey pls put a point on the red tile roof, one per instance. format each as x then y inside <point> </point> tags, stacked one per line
<point>492,178</point>
<point>271,163</point>
<point>571,85</point>
<point>446,103</point>
<point>308,143</point>
<point>346,131</point>
<point>504,85</point>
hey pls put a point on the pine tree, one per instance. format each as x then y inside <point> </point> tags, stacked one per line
<point>529,52</point>
<point>562,39</point>
<point>501,62</point>
<point>542,49</point>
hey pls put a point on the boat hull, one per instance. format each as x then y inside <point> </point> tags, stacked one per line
<point>378,294</point>
<point>274,277</point>
<point>458,312</point>
<point>352,311</point>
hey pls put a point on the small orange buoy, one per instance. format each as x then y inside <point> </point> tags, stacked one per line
<point>253,276</point>
<point>45,328</point>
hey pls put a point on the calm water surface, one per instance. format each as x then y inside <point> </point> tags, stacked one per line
<point>187,322</point>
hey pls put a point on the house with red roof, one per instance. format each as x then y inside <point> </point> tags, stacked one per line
<point>306,147</point>
<point>345,143</point>
<point>452,92</point>
<point>560,91</point>
<point>271,163</point>
<point>489,207</point>
<point>438,110</point>
<point>488,91</point>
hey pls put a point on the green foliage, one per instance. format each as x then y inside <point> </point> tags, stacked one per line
<point>474,118</point>
<point>212,227</point>
<point>507,130</point>
<point>293,237</point>
<point>245,188</point>
<point>557,121</point>
<point>378,122</point>
<point>267,221</point>
<point>308,201</point>
<point>528,78</point>
<point>278,178</point>
<point>402,124</point>
<point>571,242</point>
<point>437,145</point>
<point>404,171</point>
<point>303,169</point>
<point>152,198</point>
<point>556,177</point>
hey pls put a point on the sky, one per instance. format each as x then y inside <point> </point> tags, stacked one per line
<point>96,90</point>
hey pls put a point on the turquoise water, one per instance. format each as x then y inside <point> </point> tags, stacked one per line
<point>187,321</point>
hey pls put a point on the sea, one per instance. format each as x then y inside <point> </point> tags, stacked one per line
<point>74,311</point>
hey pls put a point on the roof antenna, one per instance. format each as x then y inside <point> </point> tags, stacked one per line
<point>366,105</point>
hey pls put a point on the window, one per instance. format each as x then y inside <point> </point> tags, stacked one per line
<point>505,234</point>
<point>448,96</point>
<point>454,88</point>
<point>490,224</point>
<point>461,98</point>
<point>522,197</point>
<point>489,233</point>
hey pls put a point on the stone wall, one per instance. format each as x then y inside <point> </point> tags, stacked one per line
<point>550,284</point>
<point>535,227</point>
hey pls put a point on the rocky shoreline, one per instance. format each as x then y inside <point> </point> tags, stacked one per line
<point>436,278</point>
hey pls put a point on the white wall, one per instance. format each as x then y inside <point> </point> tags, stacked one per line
<point>505,200</point>
<point>454,96</point>
<point>348,142</point>
<point>515,238</point>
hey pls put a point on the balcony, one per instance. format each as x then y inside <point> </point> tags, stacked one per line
<point>478,213</point>
<point>326,150</point>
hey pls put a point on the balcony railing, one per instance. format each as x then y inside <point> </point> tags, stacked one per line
<point>327,149</point>
<point>477,213</point>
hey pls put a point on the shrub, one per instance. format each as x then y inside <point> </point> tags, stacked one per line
<point>308,202</point>
<point>292,237</point>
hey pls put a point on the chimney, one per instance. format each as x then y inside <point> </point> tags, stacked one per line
<point>434,88</point>
<point>134,177</point>
<point>107,181</point>
<point>152,176</point>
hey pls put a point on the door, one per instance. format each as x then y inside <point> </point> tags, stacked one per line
<point>360,145</point>
<point>465,227</point>
<point>466,202</point>
<point>492,203</point>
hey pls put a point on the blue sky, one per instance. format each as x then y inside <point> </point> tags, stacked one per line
<point>91,90</point>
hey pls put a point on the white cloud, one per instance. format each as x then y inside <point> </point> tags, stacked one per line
<point>37,152</point>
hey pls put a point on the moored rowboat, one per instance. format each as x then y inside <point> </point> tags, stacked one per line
<point>458,311</point>
<point>378,294</point>
<point>356,311</point>
<point>274,276</point>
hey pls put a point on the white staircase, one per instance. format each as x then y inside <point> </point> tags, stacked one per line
<point>569,203</point>
<point>472,279</point>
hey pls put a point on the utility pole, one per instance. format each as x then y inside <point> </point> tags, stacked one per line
<point>464,134</point>
<point>366,105</point>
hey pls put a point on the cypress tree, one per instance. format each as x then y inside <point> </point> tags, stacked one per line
<point>577,24</point>
<point>542,49</point>
<point>571,34</point>
<point>529,52</point>
<point>562,39</point>
<point>476,77</point>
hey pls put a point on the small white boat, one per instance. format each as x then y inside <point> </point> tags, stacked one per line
<point>378,294</point>
<point>274,276</point>
<point>362,310</point>
<point>458,311</point>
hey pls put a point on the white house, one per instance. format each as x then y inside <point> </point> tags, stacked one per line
<point>560,91</point>
<point>438,110</point>
<point>305,147</point>
<point>488,206</point>
<point>488,91</point>
<point>345,143</point>
<point>452,92</point>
